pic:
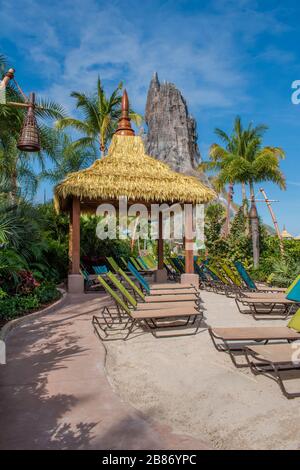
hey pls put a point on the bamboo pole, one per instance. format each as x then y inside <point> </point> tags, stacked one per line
<point>274,220</point>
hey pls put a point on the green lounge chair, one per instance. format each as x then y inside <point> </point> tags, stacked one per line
<point>151,261</point>
<point>122,319</point>
<point>136,264</point>
<point>148,287</point>
<point>160,294</point>
<point>164,300</point>
<point>221,283</point>
<point>112,263</point>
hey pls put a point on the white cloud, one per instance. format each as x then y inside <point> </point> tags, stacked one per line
<point>72,42</point>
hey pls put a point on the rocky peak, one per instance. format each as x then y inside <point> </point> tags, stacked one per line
<point>172,132</point>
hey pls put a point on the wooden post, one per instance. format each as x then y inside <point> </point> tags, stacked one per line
<point>274,220</point>
<point>160,251</point>
<point>188,239</point>
<point>229,199</point>
<point>71,239</point>
<point>75,236</point>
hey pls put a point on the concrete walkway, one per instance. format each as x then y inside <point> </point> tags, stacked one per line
<point>54,392</point>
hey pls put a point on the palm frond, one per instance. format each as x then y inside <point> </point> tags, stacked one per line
<point>49,109</point>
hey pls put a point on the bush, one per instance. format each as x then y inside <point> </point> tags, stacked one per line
<point>18,305</point>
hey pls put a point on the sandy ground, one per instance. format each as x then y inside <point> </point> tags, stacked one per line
<point>186,384</point>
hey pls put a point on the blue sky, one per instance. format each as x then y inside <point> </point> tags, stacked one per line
<point>227,58</point>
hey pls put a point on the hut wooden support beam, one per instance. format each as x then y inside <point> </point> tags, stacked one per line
<point>75,236</point>
<point>160,251</point>
<point>189,277</point>
<point>161,273</point>
<point>75,279</point>
<point>188,240</point>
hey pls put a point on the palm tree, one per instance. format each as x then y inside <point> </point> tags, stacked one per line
<point>69,158</point>
<point>100,117</point>
<point>17,165</point>
<point>244,160</point>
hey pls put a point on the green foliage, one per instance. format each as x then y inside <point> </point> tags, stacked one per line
<point>68,159</point>
<point>54,231</point>
<point>237,246</point>
<point>20,167</point>
<point>100,117</point>
<point>92,246</point>
<point>275,268</point>
<point>18,305</point>
<point>214,221</point>
<point>239,241</point>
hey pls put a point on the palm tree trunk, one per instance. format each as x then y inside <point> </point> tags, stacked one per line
<point>229,199</point>
<point>245,209</point>
<point>253,215</point>
<point>244,194</point>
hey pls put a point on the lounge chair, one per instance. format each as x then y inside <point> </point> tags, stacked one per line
<point>112,263</point>
<point>144,264</point>
<point>234,279</point>
<point>139,267</point>
<point>122,319</point>
<point>150,288</point>
<point>173,265</point>
<point>275,361</point>
<point>221,285</point>
<point>164,300</point>
<point>159,289</point>
<point>270,303</point>
<point>233,340</point>
<point>172,274</point>
<point>251,284</point>
<point>150,261</point>
<point>178,264</point>
<point>100,269</point>
<point>136,264</point>
<point>89,281</point>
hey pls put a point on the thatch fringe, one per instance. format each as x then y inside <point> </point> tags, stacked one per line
<point>128,171</point>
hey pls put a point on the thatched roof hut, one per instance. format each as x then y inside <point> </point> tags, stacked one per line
<point>128,171</point>
<point>286,235</point>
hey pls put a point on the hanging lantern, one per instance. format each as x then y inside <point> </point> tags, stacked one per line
<point>29,140</point>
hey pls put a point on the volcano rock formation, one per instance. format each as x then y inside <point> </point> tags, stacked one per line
<point>172,132</point>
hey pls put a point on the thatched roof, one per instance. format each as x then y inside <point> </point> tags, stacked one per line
<point>285,234</point>
<point>128,171</point>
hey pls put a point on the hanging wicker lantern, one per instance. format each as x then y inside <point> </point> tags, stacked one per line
<point>29,140</point>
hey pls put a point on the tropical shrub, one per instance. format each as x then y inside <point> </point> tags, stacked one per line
<point>26,282</point>
<point>20,304</point>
